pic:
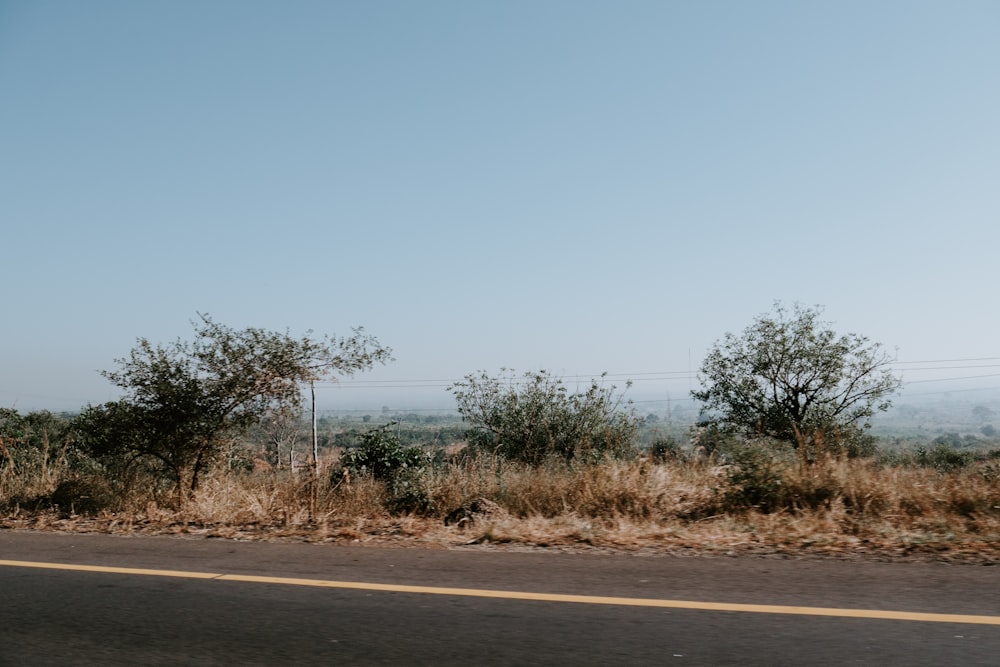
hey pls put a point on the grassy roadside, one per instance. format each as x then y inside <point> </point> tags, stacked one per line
<point>837,507</point>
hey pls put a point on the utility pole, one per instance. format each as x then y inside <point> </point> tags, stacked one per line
<point>315,439</point>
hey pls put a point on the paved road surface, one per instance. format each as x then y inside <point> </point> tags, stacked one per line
<point>211,614</point>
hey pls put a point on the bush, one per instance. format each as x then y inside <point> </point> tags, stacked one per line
<point>754,476</point>
<point>853,443</point>
<point>38,444</point>
<point>382,457</point>
<point>87,495</point>
<point>943,458</point>
<point>534,419</point>
<point>665,448</point>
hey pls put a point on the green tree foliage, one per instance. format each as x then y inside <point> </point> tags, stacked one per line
<point>382,456</point>
<point>535,418</point>
<point>943,456</point>
<point>792,378</point>
<point>185,401</point>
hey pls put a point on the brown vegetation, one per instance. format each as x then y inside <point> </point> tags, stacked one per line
<point>836,507</point>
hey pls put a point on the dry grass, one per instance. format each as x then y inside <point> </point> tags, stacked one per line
<point>839,507</point>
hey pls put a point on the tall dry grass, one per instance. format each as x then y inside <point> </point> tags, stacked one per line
<point>837,506</point>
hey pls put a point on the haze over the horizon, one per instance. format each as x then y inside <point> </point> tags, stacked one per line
<point>578,186</point>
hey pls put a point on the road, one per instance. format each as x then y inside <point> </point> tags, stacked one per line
<point>169,601</point>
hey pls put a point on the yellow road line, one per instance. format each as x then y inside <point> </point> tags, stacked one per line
<point>537,597</point>
<point>109,570</point>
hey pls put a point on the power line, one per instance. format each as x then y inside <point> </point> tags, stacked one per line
<point>643,376</point>
<point>949,368</point>
<point>946,361</point>
<point>954,391</point>
<point>964,377</point>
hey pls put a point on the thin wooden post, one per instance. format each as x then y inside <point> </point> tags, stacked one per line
<point>315,438</point>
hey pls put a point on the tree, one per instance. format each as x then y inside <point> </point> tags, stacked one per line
<point>185,401</point>
<point>792,378</point>
<point>282,429</point>
<point>535,418</point>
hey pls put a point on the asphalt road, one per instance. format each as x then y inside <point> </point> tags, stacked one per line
<point>216,603</point>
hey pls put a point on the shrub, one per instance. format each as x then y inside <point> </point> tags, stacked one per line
<point>535,418</point>
<point>665,448</point>
<point>86,495</point>
<point>382,457</point>
<point>754,476</point>
<point>852,443</point>
<point>943,458</point>
<point>37,444</point>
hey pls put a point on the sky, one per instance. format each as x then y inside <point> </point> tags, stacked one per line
<point>576,186</point>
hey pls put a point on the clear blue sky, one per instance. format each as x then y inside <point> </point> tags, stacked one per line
<point>571,185</point>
